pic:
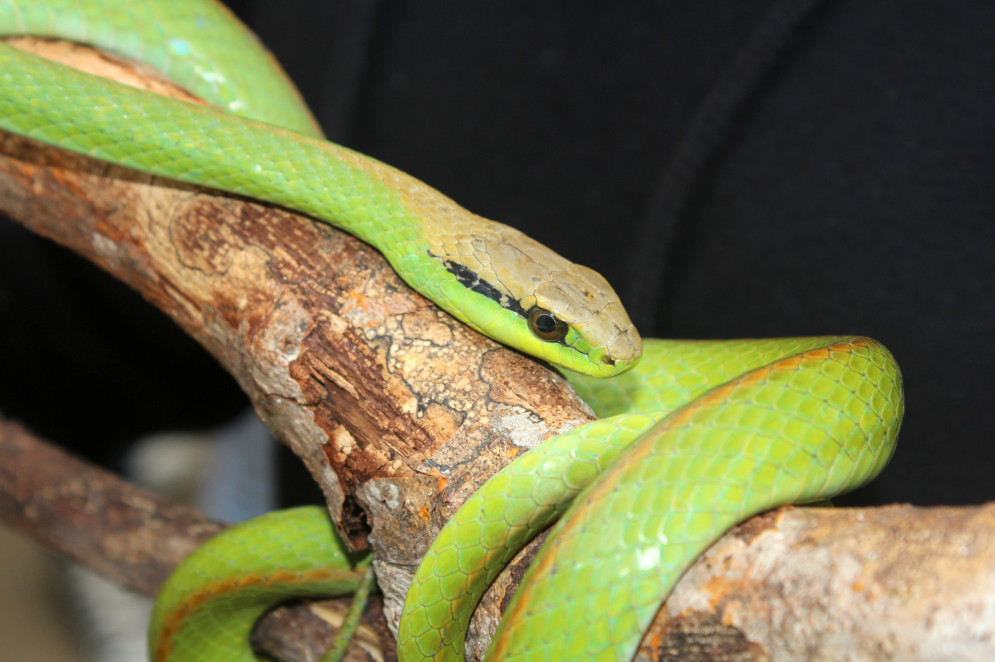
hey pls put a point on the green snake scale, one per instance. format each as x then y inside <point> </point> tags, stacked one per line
<point>695,435</point>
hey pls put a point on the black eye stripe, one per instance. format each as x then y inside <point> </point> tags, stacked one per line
<point>469,279</point>
<point>543,323</point>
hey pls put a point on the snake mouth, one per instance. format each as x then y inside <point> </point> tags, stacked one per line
<point>607,366</point>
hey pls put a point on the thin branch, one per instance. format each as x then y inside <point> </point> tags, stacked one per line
<point>92,516</point>
<point>136,539</point>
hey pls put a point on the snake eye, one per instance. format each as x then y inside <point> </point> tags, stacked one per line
<point>545,325</point>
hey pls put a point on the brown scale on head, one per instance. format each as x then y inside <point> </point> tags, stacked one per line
<point>549,291</point>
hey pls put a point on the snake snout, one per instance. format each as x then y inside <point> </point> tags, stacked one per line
<point>620,353</point>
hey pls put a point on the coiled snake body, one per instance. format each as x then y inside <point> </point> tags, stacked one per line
<point>696,436</point>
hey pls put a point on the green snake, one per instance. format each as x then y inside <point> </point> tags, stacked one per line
<point>694,437</point>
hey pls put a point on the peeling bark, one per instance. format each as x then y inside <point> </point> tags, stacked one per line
<point>400,412</point>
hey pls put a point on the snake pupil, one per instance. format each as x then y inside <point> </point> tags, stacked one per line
<point>545,325</point>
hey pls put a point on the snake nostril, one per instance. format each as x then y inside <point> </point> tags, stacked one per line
<point>607,360</point>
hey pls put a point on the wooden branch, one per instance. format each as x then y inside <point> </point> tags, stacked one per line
<point>399,413</point>
<point>92,516</point>
<point>890,583</point>
<point>897,583</point>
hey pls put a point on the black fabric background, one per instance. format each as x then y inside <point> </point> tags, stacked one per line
<point>852,193</point>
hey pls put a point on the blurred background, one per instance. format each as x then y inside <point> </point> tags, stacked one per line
<point>735,168</point>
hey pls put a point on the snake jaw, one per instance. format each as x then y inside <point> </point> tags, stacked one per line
<point>621,354</point>
<point>609,348</point>
<point>576,353</point>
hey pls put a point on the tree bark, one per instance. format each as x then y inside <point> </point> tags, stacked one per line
<point>887,583</point>
<point>400,412</point>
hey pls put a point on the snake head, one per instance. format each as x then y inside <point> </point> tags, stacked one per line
<point>581,324</point>
<point>519,292</point>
